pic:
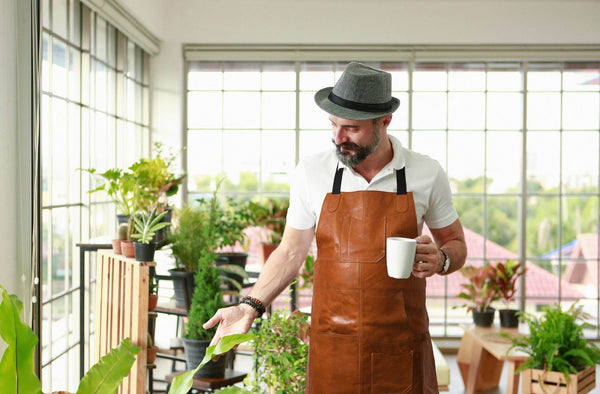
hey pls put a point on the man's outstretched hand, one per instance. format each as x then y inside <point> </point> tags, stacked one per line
<point>235,319</point>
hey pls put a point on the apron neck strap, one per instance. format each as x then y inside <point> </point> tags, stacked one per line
<point>400,181</point>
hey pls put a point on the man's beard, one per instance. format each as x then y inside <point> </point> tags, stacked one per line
<point>360,153</point>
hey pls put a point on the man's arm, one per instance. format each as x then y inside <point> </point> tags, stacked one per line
<point>280,269</point>
<point>429,257</point>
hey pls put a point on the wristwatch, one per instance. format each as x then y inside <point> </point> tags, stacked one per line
<point>446,264</point>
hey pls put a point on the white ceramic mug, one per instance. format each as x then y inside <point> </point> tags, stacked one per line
<point>400,256</point>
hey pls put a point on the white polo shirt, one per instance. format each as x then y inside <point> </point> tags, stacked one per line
<point>313,179</point>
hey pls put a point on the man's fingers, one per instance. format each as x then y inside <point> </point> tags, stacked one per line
<point>212,321</point>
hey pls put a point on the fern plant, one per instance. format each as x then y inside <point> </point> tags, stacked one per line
<point>556,341</point>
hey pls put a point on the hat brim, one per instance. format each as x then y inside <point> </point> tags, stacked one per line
<point>322,100</point>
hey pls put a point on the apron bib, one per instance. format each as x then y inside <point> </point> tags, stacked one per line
<point>369,332</point>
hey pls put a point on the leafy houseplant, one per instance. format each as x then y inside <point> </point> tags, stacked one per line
<point>556,342</point>
<point>505,279</point>
<point>17,369</point>
<point>146,225</point>
<point>269,216</point>
<point>480,291</point>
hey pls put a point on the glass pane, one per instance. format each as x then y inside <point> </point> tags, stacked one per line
<point>241,157</point>
<point>471,77</point>
<point>73,154</point>
<point>544,78</point>
<point>59,141</point>
<point>111,91</point>
<point>314,141</point>
<point>278,110</point>
<point>400,119</point>
<point>543,111</point>
<point>203,159</point>
<point>505,111</point>
<point>399,79</point>
<point>59,250</point>
<point>581,111</point>
<point>138,64</point>
<point>470,212</point>
<point>581,79</point>
<point>504,153</point>
<point>130,88</point>
<point>46,277</point>
<point>45,63</point>
<point>241,110</point>
<point>579,216</point>
<point>75,19</point>
<point>430,77</point>
<point>580,161</point>
<point>401,135</point>
<point>277,156</point>
<point>466,171</point>
<point>504,80</point>
<point>46,327</point>
<point>502,226</point>
<point>46,148</point>
<point>130,66</point>
<point>74,74</point>
<point>112,46</point>
<point>311,116</point>
<point>205,76</point>
<point>204,110</point>
<point>59,17</point>
<point>279,77</point>
<point>59,367</point>
<point>429,110</point>
<point>543,166</point>
<point>59,68</point>
<point>241,76</point>
<point>101,39</point>
<point>101,86</point>
<point>466,111</point>
<point>541,281</point>
<point>315,76</point>
<point>542,227</point>
<point>431,143</point>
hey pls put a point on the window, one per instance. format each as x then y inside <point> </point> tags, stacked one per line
<point>94,114</point>
<point>518,140</point>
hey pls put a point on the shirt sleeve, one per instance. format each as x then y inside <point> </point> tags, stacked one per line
<point>440,212</point>
<point>300,215</point>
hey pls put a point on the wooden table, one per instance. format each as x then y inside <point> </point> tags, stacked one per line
<point>481,357</point>
<point>211,384</point>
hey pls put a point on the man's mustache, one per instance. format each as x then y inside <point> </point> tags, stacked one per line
<point>346,145</point>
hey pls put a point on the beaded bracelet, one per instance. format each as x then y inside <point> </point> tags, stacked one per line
<point>255,303</point>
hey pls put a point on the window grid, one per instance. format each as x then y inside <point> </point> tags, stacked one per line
<point>497,132</point>
<point>70,127</point>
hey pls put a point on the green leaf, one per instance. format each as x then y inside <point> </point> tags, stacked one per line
<point>108,373</point>
<point>17,374</point>
<point>183,383</point>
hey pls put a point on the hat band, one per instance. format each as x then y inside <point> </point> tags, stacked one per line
<point>359,106</point>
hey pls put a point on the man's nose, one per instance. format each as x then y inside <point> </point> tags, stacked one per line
<point>339,135</point>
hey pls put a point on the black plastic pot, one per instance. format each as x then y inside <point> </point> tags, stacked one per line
<point>144,252</point>
<point>509,318</point>
<point>183,287</point>
<point>233,258</point>
<point>484,318</point>
<point>194,353</point>
<point>161,237</point>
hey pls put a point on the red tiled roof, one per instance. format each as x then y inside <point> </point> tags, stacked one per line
<point>583,267</point>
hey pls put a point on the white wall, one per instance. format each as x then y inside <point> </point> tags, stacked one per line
<point>410,22</point>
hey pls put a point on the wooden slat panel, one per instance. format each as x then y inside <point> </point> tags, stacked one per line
<point>122,312</point>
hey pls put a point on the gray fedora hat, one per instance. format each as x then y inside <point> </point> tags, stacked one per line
<point>362,92</point>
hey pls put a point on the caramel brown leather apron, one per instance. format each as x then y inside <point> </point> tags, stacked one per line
<point>369,332</point>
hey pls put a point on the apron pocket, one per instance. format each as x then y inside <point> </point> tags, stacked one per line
<point>362,240</point>
<point>333,364</point>
<point>391,373</point>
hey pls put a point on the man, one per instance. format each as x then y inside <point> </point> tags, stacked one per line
<point>369,332</point>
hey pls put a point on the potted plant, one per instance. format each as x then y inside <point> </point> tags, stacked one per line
<point>151,350</point>
<point>152,296</point>
<point>269,216</point>
<point>280,353</point>
<point>206,301</point>
<point>505,278</point>
<point>560,359</point>
<point>480,292</point>
<point>146,225</point>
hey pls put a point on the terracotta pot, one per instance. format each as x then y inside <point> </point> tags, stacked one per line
<point>152,301</point>
<point>116,244</point>
<point>265,251</point>
<point>127,249</point>
<point>151,354</point>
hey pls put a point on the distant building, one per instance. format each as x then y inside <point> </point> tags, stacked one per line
<point>582,262</point>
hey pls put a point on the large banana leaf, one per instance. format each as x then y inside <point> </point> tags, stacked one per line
<point>108,373</point>
<point>183,383</point>
<point>17,374</point>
